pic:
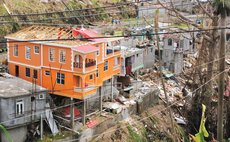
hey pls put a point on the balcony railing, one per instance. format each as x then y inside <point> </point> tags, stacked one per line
<point>77,65</point>
<point>86,88</point>
<point>109,51</point>
<point>88,64</point>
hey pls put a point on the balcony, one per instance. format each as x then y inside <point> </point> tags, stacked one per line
<point>111,52</point>
<point>81,67</point>
<point>77,65</point>
<point>87,87</point>
<point>90,64</point>
<point>87,65</point>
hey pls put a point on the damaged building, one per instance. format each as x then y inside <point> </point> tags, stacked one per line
<point>21,106</point>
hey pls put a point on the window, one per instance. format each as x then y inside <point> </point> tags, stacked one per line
<point>98,53</point>
<point>41,96</point>
<point>137,55</point>
<point>35,75</point>
<point>169,42</point>
<point>28,56</point>
<point>91,77</point>
<point>106,66</point>
<point>15,50</point>
<point>60,78</point>
<point>51,54</point>
<point>36,49</point>
<point>62,57</point>
<point>28,72</point>
<point>19,107</point>
<point>97,73</point>
<point>47,73</point>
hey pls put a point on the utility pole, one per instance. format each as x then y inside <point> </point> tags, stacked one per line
<point>84,111</point>
<point>221,78</point>
<point>161,74</point>
<point>112,89</point>
<point>72,115</point>
<point>100,99</point>
<point>41,127</point>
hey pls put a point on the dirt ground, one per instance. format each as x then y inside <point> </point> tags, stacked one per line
<point>3,57</point>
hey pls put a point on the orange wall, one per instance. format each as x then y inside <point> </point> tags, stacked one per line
<point>22,73</point>
<point>56,63</point>
<point>50,81</point>
<point>35,58</point>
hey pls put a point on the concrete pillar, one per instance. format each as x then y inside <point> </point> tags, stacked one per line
<point>41,127</point>
<point>84,112</point>
<point>72,113</point>
<point>100,99</point>
<point>112,88</point>
<point>83,65</point>
<point>83,82</point>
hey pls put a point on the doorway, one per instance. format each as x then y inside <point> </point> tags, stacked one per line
<point>16,70</point>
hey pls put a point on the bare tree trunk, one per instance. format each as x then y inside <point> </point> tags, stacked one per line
<point>161,75</point>
<point>221,78</point>
<point>211,55</point>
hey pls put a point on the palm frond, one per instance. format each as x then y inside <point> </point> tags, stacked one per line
<point>222,6</point>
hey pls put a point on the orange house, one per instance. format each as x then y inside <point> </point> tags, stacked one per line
<point>56,59</point>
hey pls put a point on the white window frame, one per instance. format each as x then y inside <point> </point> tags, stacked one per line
<point>60,78</point>
<point>170,42</point>
<point>27,53</point>
<point>36,50</point>
<point>34,70</point>
<point>19,109</point>
<point>26,72</point>
<point>14,50</point>
<point>53,54</point>
<point>97,73</point>
<point>91,75</point>
<point>41,96</point>
<point>62,56</point>
<point>46,73</point>
<point>106,66</point>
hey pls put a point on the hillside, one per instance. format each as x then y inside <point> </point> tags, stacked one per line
<point>60,12</point>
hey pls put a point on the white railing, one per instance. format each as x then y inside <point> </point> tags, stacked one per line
<point>89,87</point>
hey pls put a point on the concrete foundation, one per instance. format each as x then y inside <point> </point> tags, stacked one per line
<point>149,100</point>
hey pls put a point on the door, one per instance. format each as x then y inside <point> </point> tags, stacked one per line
<point>16,71</point>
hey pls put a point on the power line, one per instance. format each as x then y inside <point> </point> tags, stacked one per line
<point>93,97</point>
<point>75,10</point>
<point>105,37</point>
<point>85,9</point>
<point>69,17</point>
<point>174,103</point>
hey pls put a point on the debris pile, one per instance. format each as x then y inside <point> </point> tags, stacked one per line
<point>152,78</point>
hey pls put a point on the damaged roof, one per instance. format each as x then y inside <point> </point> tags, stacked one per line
<point>11,86</point>
<point>54,36</point>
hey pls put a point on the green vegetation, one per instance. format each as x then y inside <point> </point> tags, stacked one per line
<point>50,137</point>
<point>135,137</point>
<point>6,133</point>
